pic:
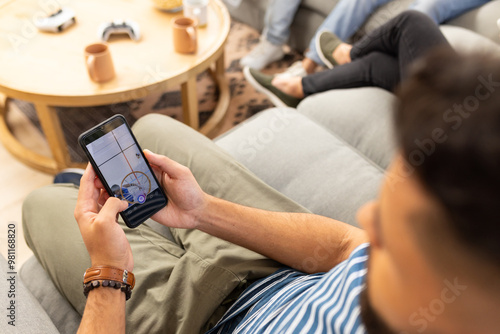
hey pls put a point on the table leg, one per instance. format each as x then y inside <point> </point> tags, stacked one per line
<point>190,103</point>
<point>18,150</point>
<point>54,134</point>
<point>212,125</point>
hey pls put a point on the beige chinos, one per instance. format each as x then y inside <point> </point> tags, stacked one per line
<point>183,286</point>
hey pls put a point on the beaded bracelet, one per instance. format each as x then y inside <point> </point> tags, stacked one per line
<point>107,284</point>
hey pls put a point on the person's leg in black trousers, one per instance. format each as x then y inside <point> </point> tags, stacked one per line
<point>407,37</point>
<point>381,58</point>
<point>375,69</point>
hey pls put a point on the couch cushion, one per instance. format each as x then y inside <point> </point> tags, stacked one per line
<point>62,314</point>
<point>464,40</point>
<point>305,161</point>
<point>320,6</point>
<point>481,20</point>
<point>30,317</point>
<point>250,12</point>
<point>362,117</point>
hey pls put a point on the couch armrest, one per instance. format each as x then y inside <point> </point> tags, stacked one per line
<point>59,310</point>
<point>27,314</point>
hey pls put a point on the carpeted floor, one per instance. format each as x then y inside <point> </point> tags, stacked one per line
<point>245,100</point>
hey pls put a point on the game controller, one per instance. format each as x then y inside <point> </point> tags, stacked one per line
<point>119,27</point>
<point>56,22</point>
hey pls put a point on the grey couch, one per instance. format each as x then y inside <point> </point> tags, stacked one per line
<point>329,155</point>
<point>311,14</point>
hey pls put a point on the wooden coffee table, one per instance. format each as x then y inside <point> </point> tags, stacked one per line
<point>48,69</point>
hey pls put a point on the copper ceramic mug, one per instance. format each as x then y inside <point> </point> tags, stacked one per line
<point>185,36</point>
<point>99,62</point>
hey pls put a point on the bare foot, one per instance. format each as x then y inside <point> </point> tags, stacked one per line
<point>342,54</point>
<point>291,86</point>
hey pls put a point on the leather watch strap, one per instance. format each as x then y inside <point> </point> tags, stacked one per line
<point>109,273</point>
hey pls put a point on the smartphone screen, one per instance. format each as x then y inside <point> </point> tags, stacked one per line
<point>121,166</point>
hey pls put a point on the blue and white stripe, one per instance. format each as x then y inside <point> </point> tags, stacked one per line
<point>290,301</point>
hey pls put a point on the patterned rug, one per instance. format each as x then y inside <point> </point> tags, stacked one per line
<point>245,100</point>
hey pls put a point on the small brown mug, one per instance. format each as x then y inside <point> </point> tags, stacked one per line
<point>99,62</point>
<point>185,36</point>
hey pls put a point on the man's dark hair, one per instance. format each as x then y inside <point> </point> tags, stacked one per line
<point>448,126</point>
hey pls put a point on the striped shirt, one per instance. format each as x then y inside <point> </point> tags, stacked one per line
<point>290,301</point>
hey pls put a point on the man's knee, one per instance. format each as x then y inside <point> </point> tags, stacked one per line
<point>49,199</point>
<point>167,136</point>
<point>155,125</point>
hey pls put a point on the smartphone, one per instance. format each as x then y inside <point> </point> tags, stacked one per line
<point>122,168</point>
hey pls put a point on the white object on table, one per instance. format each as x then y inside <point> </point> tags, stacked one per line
<point>234,3</point>
<point>196,9</point>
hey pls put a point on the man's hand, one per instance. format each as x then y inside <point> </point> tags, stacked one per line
<point>96,214</point>
<point>186,199</point>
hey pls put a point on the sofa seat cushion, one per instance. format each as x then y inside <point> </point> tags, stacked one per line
<point>28,314</point>
<point>306,162</point>
<point>362,117</point>
<point>60,311</point>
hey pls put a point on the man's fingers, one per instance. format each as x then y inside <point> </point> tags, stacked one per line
<point>103,197</point>
<point>157,171</point>
<point>169,166</point>
<point>88,193</point>
<point>111,208</point>
<point>98,183</point>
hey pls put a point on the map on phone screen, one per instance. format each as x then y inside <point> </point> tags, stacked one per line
<point>123,166</point>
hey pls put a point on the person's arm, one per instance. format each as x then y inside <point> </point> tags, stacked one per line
<point>104,312</point>
<point>306,242</point>
<point>107,245</point>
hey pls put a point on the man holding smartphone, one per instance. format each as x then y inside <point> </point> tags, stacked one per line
<point>432,264</point>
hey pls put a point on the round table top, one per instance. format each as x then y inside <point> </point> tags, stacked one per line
<point>50,67</point>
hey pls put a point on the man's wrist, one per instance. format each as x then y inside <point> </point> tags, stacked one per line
<point>107,294</point>
<point>202,216</point>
